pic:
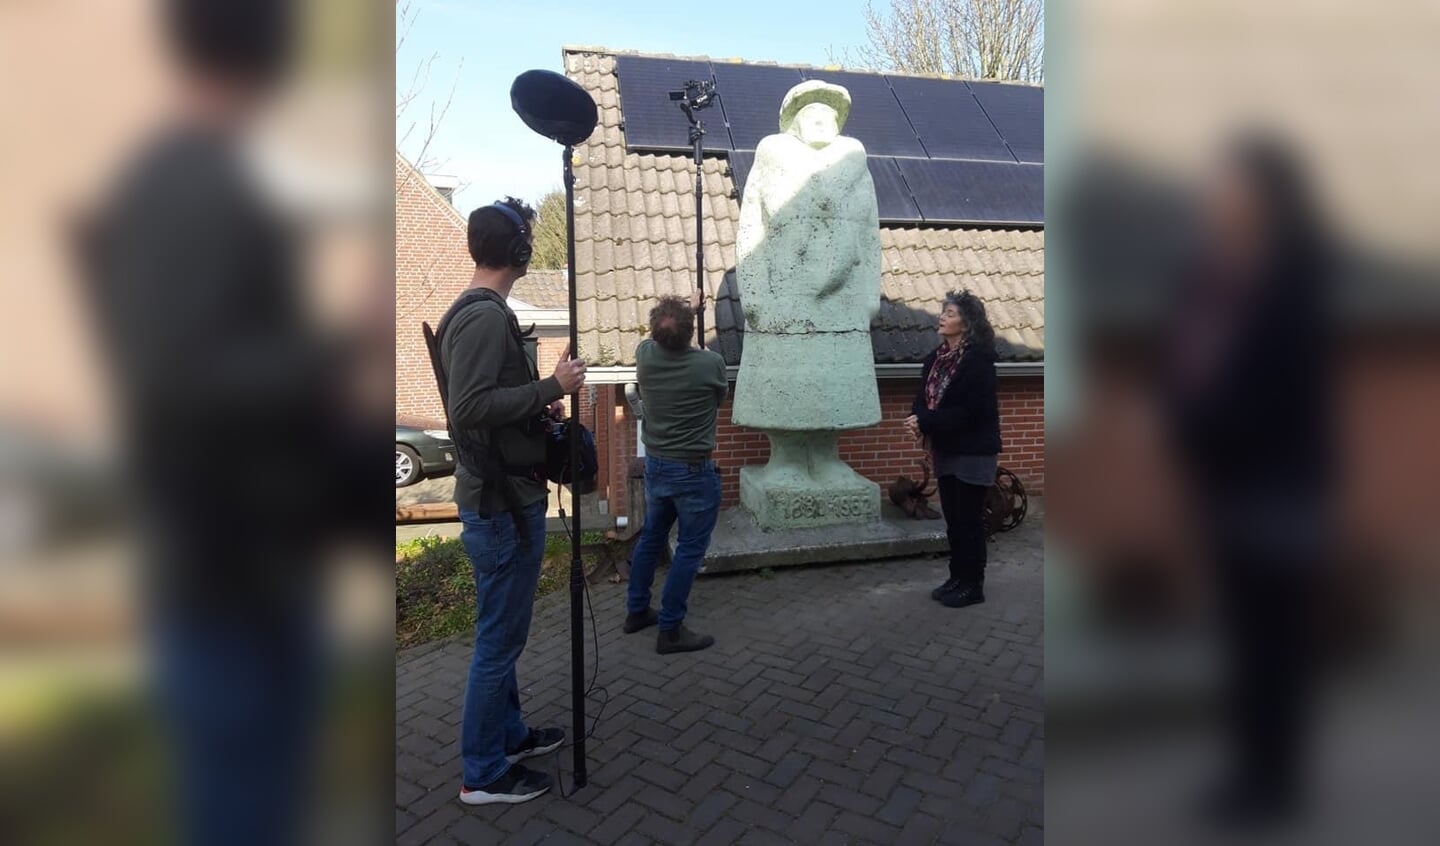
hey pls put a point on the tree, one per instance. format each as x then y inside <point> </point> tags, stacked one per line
<point>550,241</point>
<point>975,39</point>
<point>419,156</point>
<point>406,14</point>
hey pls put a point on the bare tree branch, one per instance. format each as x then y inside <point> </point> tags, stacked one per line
<point>978,39</point>
<point>422,158</point>
<point>407,13</point>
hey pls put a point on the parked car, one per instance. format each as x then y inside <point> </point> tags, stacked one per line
<point>422,453</point>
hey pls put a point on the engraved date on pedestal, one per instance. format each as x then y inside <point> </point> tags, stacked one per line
<point>812,507</point>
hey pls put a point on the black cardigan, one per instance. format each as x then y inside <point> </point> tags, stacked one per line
<point>967,420</point>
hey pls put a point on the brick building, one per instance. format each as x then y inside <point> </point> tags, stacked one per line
<point>635,241</point>
<point>432,267</point>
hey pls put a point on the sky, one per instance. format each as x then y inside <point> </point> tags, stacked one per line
<point>482,45</point>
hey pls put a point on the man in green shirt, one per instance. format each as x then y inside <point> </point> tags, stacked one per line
<point>681,388</point>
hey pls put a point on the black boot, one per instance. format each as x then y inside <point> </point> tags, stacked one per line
<point>949,587</point>
<point>973,594</point>
<point>682,640</point>
<point>643,620</point>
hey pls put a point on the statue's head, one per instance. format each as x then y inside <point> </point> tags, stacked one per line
<point>815,112</point>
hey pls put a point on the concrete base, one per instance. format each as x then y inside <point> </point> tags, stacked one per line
<point>782,507</point>
<point>740,544</point>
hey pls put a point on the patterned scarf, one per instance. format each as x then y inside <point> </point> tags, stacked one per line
<point>941,372</point>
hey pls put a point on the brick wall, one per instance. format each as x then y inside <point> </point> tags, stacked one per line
<point>1022,428</point>
<point>604,411</point>
<point>432,267</point>
<point>879,453</point>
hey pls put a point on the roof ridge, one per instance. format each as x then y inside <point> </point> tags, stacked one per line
<point>574,49</point>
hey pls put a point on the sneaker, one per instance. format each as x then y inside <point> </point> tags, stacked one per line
<point>517,785</point>
<point>944,589</point>
<point>682,640</point>
<point>961,597</point>
<point>643,620</point>
<point>537,742</point>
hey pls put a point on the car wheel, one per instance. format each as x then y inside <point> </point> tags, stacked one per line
<point>407,466</point>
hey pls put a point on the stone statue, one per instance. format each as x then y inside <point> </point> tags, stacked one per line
<point>808,270</point>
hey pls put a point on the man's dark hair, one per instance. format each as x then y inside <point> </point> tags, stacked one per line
<point>672,323</point>
<point>491,231</point>
<point>250,39</point>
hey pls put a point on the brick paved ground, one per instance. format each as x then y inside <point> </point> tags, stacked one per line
<point>840,705</point>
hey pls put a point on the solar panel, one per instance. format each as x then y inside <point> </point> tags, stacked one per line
<point>949,191</point>
<point>1018,111</point>
<point>751,97</point>
<point>892,195</point>
<point>949,120</point>
<point>876,119</point>
<point>652,120</point>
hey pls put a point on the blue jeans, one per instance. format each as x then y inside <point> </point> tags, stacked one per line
<point>239,699</point>
<point>507,571</point>
<point>674,490</point>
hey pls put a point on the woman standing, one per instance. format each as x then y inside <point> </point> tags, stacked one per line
<point>957,413</point>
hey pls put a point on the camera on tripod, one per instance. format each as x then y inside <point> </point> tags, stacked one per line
<point>695,96</point>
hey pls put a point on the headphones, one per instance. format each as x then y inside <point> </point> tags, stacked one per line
<point>520,250</point>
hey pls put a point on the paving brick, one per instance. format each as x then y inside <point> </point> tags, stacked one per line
<point>514,817</point>
<point>915,761</point>
<point>882,780</point>
<point>797,727</point>
<point>617,824</point>
<point>403,820</point>
<point>702,784</point>
<point>756,814</point>
<point>727,721</point>
<point>711,810</point>
<point>725,833</point>
<point>833,774</point>
<point>752,788</point>
<point>968,837</point>
<point>775,747</point>
<point>476,829</point>
<point>699,758</point>
<point>565,838</point>
<point>865,827</point>
<point>664,802</point>
<point>1006,818</point>
<point>902,804</point>
<point>572,816</point>
<point>812,825</point>
<point>662,830</point>
<point>799,795</point>
<point>742,763</point>
<point>844,797</point>
<point>430,825</point>
<point>919,829</point>
<point>982,789</point>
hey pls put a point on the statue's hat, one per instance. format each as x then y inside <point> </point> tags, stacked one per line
<point>814,91</point>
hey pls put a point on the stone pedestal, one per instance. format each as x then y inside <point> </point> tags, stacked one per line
<point>801,504</point>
